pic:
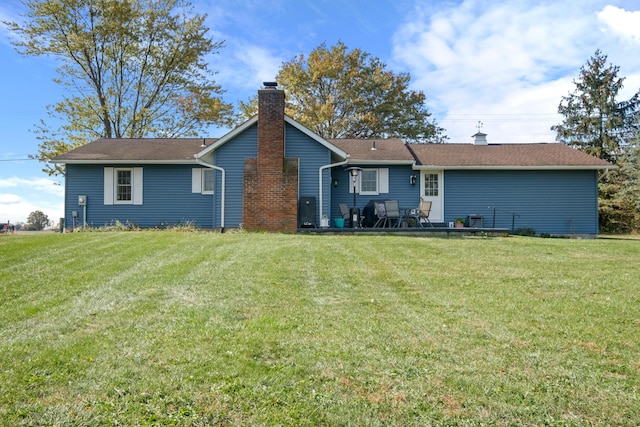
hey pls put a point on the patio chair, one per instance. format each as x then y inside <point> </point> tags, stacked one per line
<point>381,214</point>
<point>392,210</point>
<point>423,213</point>
<point>344,212</point>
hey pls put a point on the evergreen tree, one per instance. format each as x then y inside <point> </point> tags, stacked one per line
<point>594,120</point>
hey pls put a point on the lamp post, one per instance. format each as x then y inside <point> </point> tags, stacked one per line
<point>355,212</point>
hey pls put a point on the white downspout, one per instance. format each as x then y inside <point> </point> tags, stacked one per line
<point>322,168</point>
<point>222,195</point>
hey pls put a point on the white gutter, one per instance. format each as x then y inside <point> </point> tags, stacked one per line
<point>322,168</point>
<point>222,195</point>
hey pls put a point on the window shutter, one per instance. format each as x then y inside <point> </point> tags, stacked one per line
<point>383,180</point>
<point>137,186</point>
<point>108,186</point>
<point>196,180</point>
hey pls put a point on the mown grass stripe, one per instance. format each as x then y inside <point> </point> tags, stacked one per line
<point>177,328</point>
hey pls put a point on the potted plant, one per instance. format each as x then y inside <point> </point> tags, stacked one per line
<point>459,222</point>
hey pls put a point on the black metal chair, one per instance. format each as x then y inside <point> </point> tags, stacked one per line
<point>392,213</point>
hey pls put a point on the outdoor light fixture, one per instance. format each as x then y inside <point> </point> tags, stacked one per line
<point>335,182</point>
<point>413,179</point>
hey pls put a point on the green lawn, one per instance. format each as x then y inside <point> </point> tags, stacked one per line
<point>179,328</point>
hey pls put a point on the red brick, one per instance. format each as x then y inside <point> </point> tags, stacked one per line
<point>270,180</point>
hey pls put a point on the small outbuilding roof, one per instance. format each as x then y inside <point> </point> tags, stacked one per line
<point>496,156</point>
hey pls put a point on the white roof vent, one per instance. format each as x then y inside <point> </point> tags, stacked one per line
<point>479,138</point>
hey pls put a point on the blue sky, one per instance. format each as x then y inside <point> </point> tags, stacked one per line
<point>505,63</point>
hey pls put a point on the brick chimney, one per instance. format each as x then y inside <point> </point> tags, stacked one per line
<point>271,180</point>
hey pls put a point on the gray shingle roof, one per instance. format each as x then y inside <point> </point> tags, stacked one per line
<point>392,149</point>
<point>539,155</point>
<point>136,150</point>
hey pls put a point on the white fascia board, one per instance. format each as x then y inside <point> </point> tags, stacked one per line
<point>226,138</point>
<point>316,137</point>
<point>356,162</point>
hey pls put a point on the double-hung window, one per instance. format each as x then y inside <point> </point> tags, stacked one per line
<point>369,181</point>
<point>202,180</point>
<point>207,181</point>
<point>123,185</point>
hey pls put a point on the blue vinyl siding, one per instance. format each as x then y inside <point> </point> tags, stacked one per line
<point>167,198</point>
<point>400,189</point>
<point>311,157</point>
<point>231,157</point>
<point>555,202</point>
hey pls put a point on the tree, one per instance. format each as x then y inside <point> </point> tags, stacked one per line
<point>630,167</point>
<point>132,69</point>
<point>628,195</point>
<point>594,121</point>
<point>37,220</point>
<point>349,94</point>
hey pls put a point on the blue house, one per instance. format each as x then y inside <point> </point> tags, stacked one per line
<point>271,173</point>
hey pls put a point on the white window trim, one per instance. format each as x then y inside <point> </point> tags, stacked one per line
<point>213,182</point>
<point>382,186</point>
<point>197,180</point>
<point>369,193</point>
<point>111,184</point>
<point>115,186</point>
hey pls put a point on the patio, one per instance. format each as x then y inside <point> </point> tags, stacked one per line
<point>412,231</point>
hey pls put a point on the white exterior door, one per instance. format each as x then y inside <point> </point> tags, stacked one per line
<point>431,188</point>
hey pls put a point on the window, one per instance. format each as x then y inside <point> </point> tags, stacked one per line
<point>207,181</point>
<point>123,185</point>
<point>369,181</point>
<point>431,184</point>
<point>202,180</point>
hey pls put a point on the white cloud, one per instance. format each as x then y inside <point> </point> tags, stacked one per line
<point>245,67</point>
<point>44,185</point>
<point>625,24</point>
<point>21,196</point>
<point>504,63</point>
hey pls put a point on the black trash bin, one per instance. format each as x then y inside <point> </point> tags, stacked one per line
<point>307,212</point>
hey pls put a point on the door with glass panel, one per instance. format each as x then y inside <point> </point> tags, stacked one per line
<point>431,186</point>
